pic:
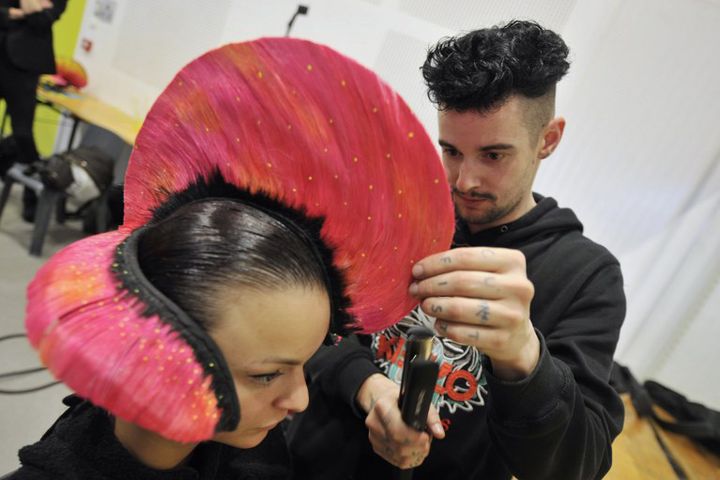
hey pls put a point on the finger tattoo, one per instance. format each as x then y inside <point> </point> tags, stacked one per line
<point>442,326</point>
<point>446,260</point>
<point>436,309</point>
<point>483,312</point>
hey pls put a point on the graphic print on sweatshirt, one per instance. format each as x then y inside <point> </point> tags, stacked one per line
<point>461,381</point>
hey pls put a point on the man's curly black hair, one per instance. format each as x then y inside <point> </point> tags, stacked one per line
<point>482,69</point>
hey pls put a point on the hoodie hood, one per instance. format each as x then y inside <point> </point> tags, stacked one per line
<point>545,219</point>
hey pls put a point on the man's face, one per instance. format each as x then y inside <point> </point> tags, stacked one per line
<point>490,160</point>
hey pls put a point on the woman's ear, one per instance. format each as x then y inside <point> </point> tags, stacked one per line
<point>552,134</point>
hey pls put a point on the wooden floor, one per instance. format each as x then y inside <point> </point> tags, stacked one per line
<point>637,454</point>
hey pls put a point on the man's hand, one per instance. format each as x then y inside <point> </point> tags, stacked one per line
<point>481,297</point>
<point>33,6</point>
<point>391,438</point>
<point>15,13</point>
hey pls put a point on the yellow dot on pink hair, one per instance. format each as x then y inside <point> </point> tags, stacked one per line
<point>317,204</point>
<point>355,159</point>
<point>392,280</point>
<point>237,98</point>
<point>369,218</point>
<point>259,122</point>
<point>331,121</point>
<point>375,109</point>
<point>395,248</point>
<point>207,129</point>
<point>411,134</point>
<point>260,74</point>
<point>310,178</point>
<point>237,139</point>
<point>437,180</point>
<point>343,82</point>
<point>309,67</point>
<point>412,261</point>
<point>345,203</point>
<point>370,187</point>
<point>325,149</point>
<point>400,192</point>
<point>145,359</point>
<point>399,215</point>
<point>289,127</point>
<point>336,176</point>
<point>191,381</point>
<point>180,83</point>
<point>387,155</point>
<point>294,190</point>
<point>269,165</point>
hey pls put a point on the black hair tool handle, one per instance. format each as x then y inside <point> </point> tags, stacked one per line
<point>418,385</point>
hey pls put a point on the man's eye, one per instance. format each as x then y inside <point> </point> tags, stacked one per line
<point>450,152</point>
<point>266,378</point>
<point>494,156</point>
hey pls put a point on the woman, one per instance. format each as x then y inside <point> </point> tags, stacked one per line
<point>277,192</point>
<point>226,264</point>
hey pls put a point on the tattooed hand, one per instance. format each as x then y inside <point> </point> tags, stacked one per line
<point>481,297</point>
<point>391,438</point>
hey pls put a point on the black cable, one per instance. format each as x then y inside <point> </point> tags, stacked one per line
<point>29,390</point>
<point>23,372</point>
<point>12,335</point>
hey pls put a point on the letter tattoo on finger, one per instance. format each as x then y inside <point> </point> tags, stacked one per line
<point>446,260</point>
<point>436,309</point>
<point>483,312</point>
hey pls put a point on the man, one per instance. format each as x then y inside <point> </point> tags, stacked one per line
<point>528,309</point>
<point>26,52</point>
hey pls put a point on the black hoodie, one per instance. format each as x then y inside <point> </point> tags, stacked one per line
<point>82,446</point>
<point>556,424</point>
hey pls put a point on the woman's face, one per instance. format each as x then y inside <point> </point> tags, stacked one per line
<point>266,336</point>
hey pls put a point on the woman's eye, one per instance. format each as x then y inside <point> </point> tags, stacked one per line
<point>266,378</point>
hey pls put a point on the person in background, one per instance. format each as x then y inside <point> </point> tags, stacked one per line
<point>526,308</point>
<point>26,52</point>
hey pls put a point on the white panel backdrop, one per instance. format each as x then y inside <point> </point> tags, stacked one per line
<point>639,161</point>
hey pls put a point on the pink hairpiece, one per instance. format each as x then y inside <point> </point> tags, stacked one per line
<point>293,124</point>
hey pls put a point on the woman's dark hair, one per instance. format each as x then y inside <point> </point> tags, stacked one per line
<point>481,69</point>
<point>210,244</point>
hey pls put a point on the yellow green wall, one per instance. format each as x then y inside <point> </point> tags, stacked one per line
<point>65,34</point>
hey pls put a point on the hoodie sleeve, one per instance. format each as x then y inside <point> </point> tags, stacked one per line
<point>341,371</point>
<point>559,423</point>
<point>43,20</point>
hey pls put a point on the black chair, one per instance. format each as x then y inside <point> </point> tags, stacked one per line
<point>49,201</point>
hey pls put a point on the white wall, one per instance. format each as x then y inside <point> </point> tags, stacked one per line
<point>638,162</point>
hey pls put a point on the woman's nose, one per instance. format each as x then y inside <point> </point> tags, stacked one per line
<point>297,397</point>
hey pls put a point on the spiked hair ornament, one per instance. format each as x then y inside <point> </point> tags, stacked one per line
<point>293,127</point>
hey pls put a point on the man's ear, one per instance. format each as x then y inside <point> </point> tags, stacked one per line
<point>552,134</point>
